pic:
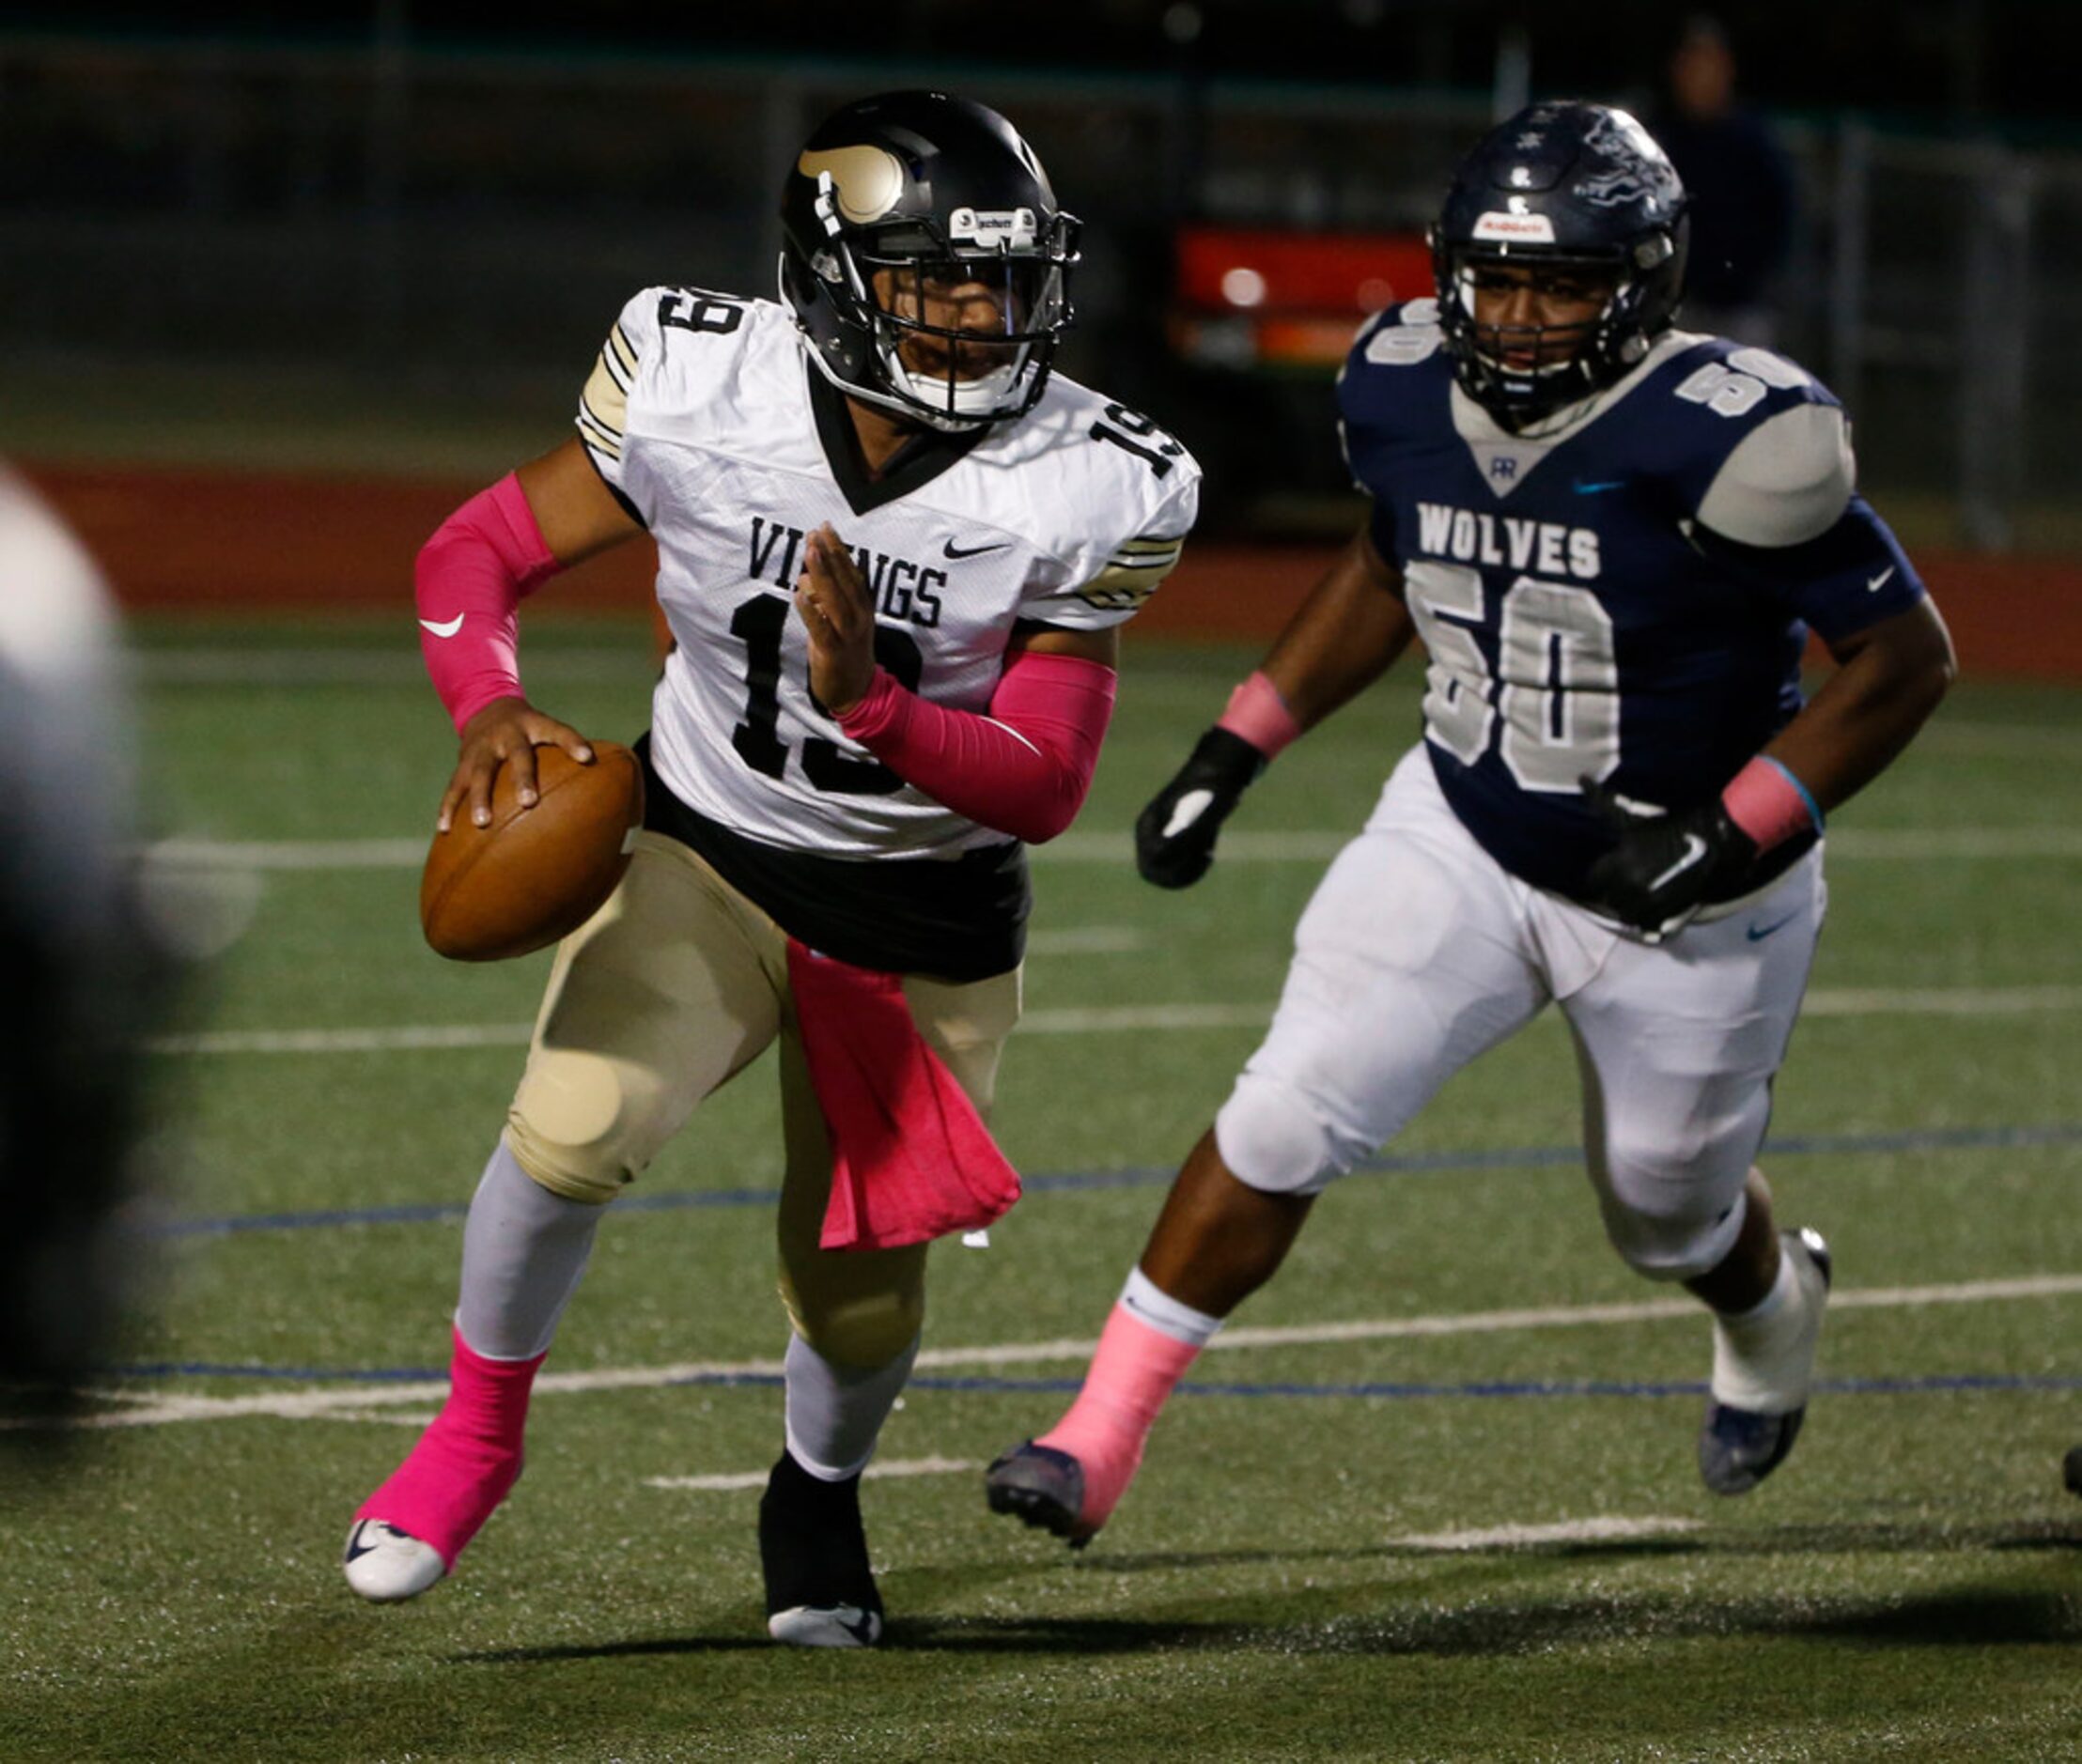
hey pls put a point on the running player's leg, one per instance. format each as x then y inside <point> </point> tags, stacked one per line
<point>856,1317</point>
<point>1678,1044</point>
<point>653,1003</point>
<point>1408,963</point>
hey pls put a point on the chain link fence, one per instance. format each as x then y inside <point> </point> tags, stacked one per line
<point>466,221</point>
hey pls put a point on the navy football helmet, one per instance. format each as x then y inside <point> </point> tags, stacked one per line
<point>927,191</point>
<point>1574,186</point>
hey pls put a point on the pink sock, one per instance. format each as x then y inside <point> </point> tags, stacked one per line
<point>467,1459</point>
<point>1131,1374</point>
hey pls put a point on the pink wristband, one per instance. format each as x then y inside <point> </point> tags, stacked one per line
<point>469,582</point>
<point>1769,804</point>
<point>1258,714</point>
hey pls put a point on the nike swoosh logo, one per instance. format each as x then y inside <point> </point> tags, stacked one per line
<point>355,1547</point>
<point>1185,810</point>
<point>862,1630</point>
<point>952,550</point>
<point>1758,932</point>
<point>1880,581</point>
<point>446,628</point>
<point>1694,848</point>
<point>1592,490</point>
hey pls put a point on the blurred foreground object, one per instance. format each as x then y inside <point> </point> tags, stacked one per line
<point>80,976</point>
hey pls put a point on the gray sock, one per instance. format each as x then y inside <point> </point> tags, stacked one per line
<point>524,1249</point>
<point>836,1413</point>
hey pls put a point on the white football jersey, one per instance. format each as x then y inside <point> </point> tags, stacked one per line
<point>709,418</point>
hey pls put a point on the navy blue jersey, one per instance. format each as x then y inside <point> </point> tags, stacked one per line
<point>1625,599</point>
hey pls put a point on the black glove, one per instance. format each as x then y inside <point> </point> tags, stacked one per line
<point>1174,837</point>
<point>1662,868</point>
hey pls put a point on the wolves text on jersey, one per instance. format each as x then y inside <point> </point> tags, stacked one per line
<point>901,589</point>
<point>1546,547</point>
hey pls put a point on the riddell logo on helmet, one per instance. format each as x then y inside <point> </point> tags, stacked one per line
<point>1531,230</point>
<point>1014,227</point>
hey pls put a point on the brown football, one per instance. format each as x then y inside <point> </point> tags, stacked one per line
<point>532,875</point>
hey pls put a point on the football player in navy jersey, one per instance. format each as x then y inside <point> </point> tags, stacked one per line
<point>1612,536</point>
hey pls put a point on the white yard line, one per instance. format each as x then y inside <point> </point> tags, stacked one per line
<point>400,666</point>
<point>1599,1529</point>
<point>730,1481</point>
<point>1940,1001</point>
<point>351,1041</point>
<point>332,1401</point>
<point>1096,1020</point>
<point>1603,1528</point>
<point>1856,845</point>
<point>301,853</point>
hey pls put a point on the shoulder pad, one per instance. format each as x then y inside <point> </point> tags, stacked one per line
<point>1397,336</point>
<point>1786,481</point>
<point>641,364</point>
<point>1760,447</point>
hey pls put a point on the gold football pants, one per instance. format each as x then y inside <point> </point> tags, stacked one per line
<point>664,994</point>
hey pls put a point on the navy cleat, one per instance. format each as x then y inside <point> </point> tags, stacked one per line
<point>1041,1487</point>
<point>813,1551</point>
<point>1739,1448</point>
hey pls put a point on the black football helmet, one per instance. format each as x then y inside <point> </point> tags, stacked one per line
<point>932,190</point>
<point>1578,186</point>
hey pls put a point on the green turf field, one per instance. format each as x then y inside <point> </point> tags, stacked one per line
<point>1437,1532</point>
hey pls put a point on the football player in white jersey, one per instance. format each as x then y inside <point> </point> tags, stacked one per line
<point>895,550</point>
<point>1612,538</point>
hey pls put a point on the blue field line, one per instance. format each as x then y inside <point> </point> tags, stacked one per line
<point>1067,1182</point>
<point>1943,1382</point>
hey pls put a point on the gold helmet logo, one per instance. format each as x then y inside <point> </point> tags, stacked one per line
<point>868,180</point>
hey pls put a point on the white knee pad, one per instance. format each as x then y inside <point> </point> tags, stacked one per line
<point>1672,1193</point>
<point>1272,1139</point>
<point>1674,1230</point>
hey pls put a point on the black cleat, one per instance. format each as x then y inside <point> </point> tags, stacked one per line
<point>2071,1467</point>
<point>1739,1448</point>
<point>1041,1487</point>
<point>813,1551</point>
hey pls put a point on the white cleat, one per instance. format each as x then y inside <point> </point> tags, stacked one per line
<point>387,1565</point>
<point>826,1626</point>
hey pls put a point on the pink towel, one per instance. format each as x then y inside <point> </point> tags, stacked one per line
<point>910,1158</point>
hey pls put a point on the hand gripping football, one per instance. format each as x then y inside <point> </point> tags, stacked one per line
<point>531,875</point>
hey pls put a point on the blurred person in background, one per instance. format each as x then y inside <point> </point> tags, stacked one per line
<point>79,975</point>
<point>1741,185</point>
<point>1611,537</point>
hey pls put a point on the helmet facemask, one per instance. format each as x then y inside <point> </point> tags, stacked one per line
<point>1008,302</point>
<point>953,329</point>
<point>1524,373</point>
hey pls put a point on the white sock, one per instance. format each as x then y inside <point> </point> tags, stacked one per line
<point>524,1249</point>
<point>1149,1303</point>
<point>834,1414</point>
<point>1763,1358</point>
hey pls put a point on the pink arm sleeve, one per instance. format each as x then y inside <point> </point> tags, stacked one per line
<point>1024,768</point>
<point>469,583</point>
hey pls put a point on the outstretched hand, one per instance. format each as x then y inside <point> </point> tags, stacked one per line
<point>832,598</point>
<point>504,733</point>
<point>1174,836</point>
